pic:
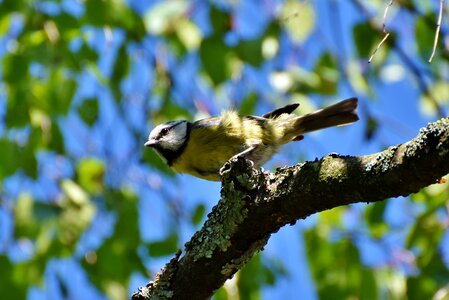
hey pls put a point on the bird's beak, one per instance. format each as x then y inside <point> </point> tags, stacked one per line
<point>150,143</point>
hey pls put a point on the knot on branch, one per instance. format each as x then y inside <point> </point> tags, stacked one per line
<point>435,136</point>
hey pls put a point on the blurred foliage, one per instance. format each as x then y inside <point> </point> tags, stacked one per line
<point>81,79</point>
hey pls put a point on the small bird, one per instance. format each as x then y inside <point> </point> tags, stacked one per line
<point>201,148</point>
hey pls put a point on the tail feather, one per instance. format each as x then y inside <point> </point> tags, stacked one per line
<point>341,113</point>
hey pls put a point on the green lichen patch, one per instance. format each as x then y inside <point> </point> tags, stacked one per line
<point>237,263</point>
<point>160,288</point>
<point>433,136</point>
<point>383,161</point>
<point>333,168</point>
<point>221,225</point>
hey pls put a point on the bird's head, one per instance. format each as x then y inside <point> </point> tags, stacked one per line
<point>169,139</point>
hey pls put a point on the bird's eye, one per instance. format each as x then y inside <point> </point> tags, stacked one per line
<point>164,131</point>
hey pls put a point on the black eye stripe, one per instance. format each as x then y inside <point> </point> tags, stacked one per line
<point>163,132</point>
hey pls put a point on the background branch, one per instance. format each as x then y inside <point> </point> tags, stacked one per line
<point>254,205</point>
<point>406,59</point>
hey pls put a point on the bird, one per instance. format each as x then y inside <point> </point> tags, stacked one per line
<point>202,147</point>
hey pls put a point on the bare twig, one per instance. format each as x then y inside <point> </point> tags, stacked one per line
<point>387,34</point>
<point>437,31</point>
<point>384,30</point>
<point>408,62</point>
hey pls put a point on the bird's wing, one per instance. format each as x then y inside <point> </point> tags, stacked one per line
<point>288,109</point>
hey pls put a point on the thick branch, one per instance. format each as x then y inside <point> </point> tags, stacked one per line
<point>254,205</point>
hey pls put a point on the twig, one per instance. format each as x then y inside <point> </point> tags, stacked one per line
<point>384,30</point>
<point>437,32</point>
<point>406,60</point>
<point>387,34</point>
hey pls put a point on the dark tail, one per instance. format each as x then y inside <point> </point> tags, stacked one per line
<point>341,113</point>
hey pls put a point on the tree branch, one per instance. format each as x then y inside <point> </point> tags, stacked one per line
<point>254,205</point>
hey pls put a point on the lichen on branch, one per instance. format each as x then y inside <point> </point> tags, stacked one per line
<point>255,204</point>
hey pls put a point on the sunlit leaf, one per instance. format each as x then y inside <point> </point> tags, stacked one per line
<point>90,174</point>
<point>299,20</point>
<point>163,16</point>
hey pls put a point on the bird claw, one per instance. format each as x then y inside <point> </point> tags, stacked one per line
<point>227,166</point>
<point>249,162</point>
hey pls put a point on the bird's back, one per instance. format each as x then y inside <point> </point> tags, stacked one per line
<point>214,141</point>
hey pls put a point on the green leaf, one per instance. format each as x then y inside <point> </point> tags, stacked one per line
<point>15,68</point>
<point>250,51</point>
<point>162,17</point>
<point>433,276</point>
<point>97,12</point>
<point>257,273</point>
<point>198,214</point>
<point>17,110</point>
<point>151,158</point>
<point>117,258</point>
<point>365,39</point>
<point>120,70</point>
<point>298,19</point>
<point>13,157</point>
<point>342,278</point>
<point>87,54</point>
<point>11,285</point>
<point>248,104</point>
<point>215,55</point>
<point>326,69</point>
<point>375,218</point>
<point>108,13</point>
<point>8,161</point>
<point>220,20</point>
<point>167,246</point>
<point>55,96</point>
<point>56,139</point>
<point>88,111</point>
<point>424,35</point>
<point>249,280</point>
<point>371,128</point>
<point>26,224</point>
<point>66,22</point>
<point>90,172</point>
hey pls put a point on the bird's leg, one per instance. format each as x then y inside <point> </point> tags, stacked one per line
<point>245,154</point>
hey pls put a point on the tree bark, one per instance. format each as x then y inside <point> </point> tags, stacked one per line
<point>255,205</point>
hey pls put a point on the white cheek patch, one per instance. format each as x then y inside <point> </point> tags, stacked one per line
<point>175,138</point>
<point>171,141</point>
